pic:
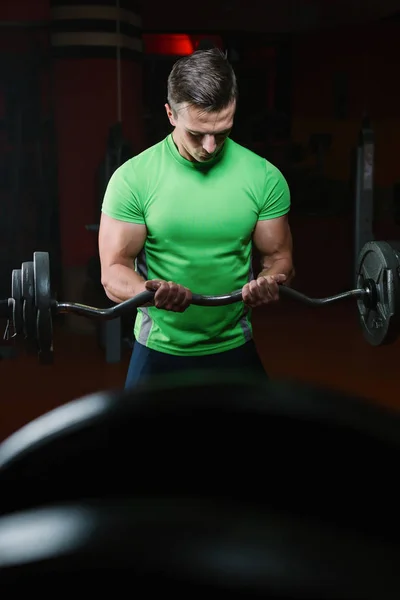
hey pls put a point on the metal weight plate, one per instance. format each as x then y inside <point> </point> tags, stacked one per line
<point>379,316</point>
<point>44,322</point>
<point>28,307</point>
<point>41,270</point>
<point>44,328</point>
<point>16,294</point>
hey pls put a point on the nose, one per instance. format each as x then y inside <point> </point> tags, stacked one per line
<point>209,143</point>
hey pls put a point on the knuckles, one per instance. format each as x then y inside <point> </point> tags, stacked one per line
<point>260,291</point>
<point>173,297</point>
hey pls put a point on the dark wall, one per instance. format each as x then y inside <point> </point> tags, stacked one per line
<point>360,64</point>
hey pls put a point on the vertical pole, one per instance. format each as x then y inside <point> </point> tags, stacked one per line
<point>364,197</point>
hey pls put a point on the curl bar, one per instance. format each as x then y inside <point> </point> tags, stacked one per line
<point>30,309</point>
<point>198,300</point>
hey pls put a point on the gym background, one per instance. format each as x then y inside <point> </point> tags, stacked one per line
<point>82,90</point>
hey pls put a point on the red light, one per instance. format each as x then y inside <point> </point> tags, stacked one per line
<point>176,44</point>
<point>167,44</point>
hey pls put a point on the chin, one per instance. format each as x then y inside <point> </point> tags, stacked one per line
<point>204,158</point>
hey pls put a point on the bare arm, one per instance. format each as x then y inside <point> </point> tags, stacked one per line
<point>273,239</point>
<point>119,244</point>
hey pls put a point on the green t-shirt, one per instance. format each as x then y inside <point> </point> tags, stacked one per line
<point>200,218</point>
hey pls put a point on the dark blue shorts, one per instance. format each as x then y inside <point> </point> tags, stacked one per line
<point>146,363</point>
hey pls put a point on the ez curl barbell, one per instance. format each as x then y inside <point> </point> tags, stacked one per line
<point>30,309</point>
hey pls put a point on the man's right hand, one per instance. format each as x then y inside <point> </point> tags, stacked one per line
<point>169,295</point>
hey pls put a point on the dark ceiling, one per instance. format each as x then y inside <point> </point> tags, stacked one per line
<point>261,15</point>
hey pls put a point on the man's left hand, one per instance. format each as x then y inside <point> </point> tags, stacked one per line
<point>263,290</point>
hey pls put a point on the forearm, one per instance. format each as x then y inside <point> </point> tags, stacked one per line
<point>121,283</point>
<point>279,265</point>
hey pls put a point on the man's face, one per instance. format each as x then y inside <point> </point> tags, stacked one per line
<point>200,135</point>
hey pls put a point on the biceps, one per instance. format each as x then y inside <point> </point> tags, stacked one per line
<point>273,237</point>
<point>119,242</point>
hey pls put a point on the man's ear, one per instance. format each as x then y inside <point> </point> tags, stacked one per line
<point>170,115</point>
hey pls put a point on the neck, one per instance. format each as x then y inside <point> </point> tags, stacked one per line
<point>180,148</point>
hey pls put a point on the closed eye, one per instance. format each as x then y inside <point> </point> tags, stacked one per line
<point>220,134</point>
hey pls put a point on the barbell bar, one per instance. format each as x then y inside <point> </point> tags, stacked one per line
<point>30,309</point>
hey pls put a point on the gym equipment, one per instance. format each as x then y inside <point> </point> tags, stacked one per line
<point>379,262</point>
<point>28,305</point>
<point>214,483</point>
<point>153,546</point>
<point>377,296</point>
<point>364,189</point>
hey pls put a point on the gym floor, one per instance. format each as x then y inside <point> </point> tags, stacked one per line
<point>323,346</point>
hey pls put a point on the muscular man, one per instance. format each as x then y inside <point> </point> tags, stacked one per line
<point>182,216</point>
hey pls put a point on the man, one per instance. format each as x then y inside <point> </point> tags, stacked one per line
<point>181,217</point>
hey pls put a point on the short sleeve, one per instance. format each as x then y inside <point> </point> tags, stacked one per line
<point>121,198</point>
<point>276,196</point>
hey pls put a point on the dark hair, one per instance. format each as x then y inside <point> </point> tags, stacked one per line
<point>204,79</point>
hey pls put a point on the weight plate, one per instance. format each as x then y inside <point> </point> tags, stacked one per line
<point>379,320</point>
<point>44,332</point>
<point>41,268</point>
<point>28,307</point>
<point>44,322</point>
<point>16,294</point>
